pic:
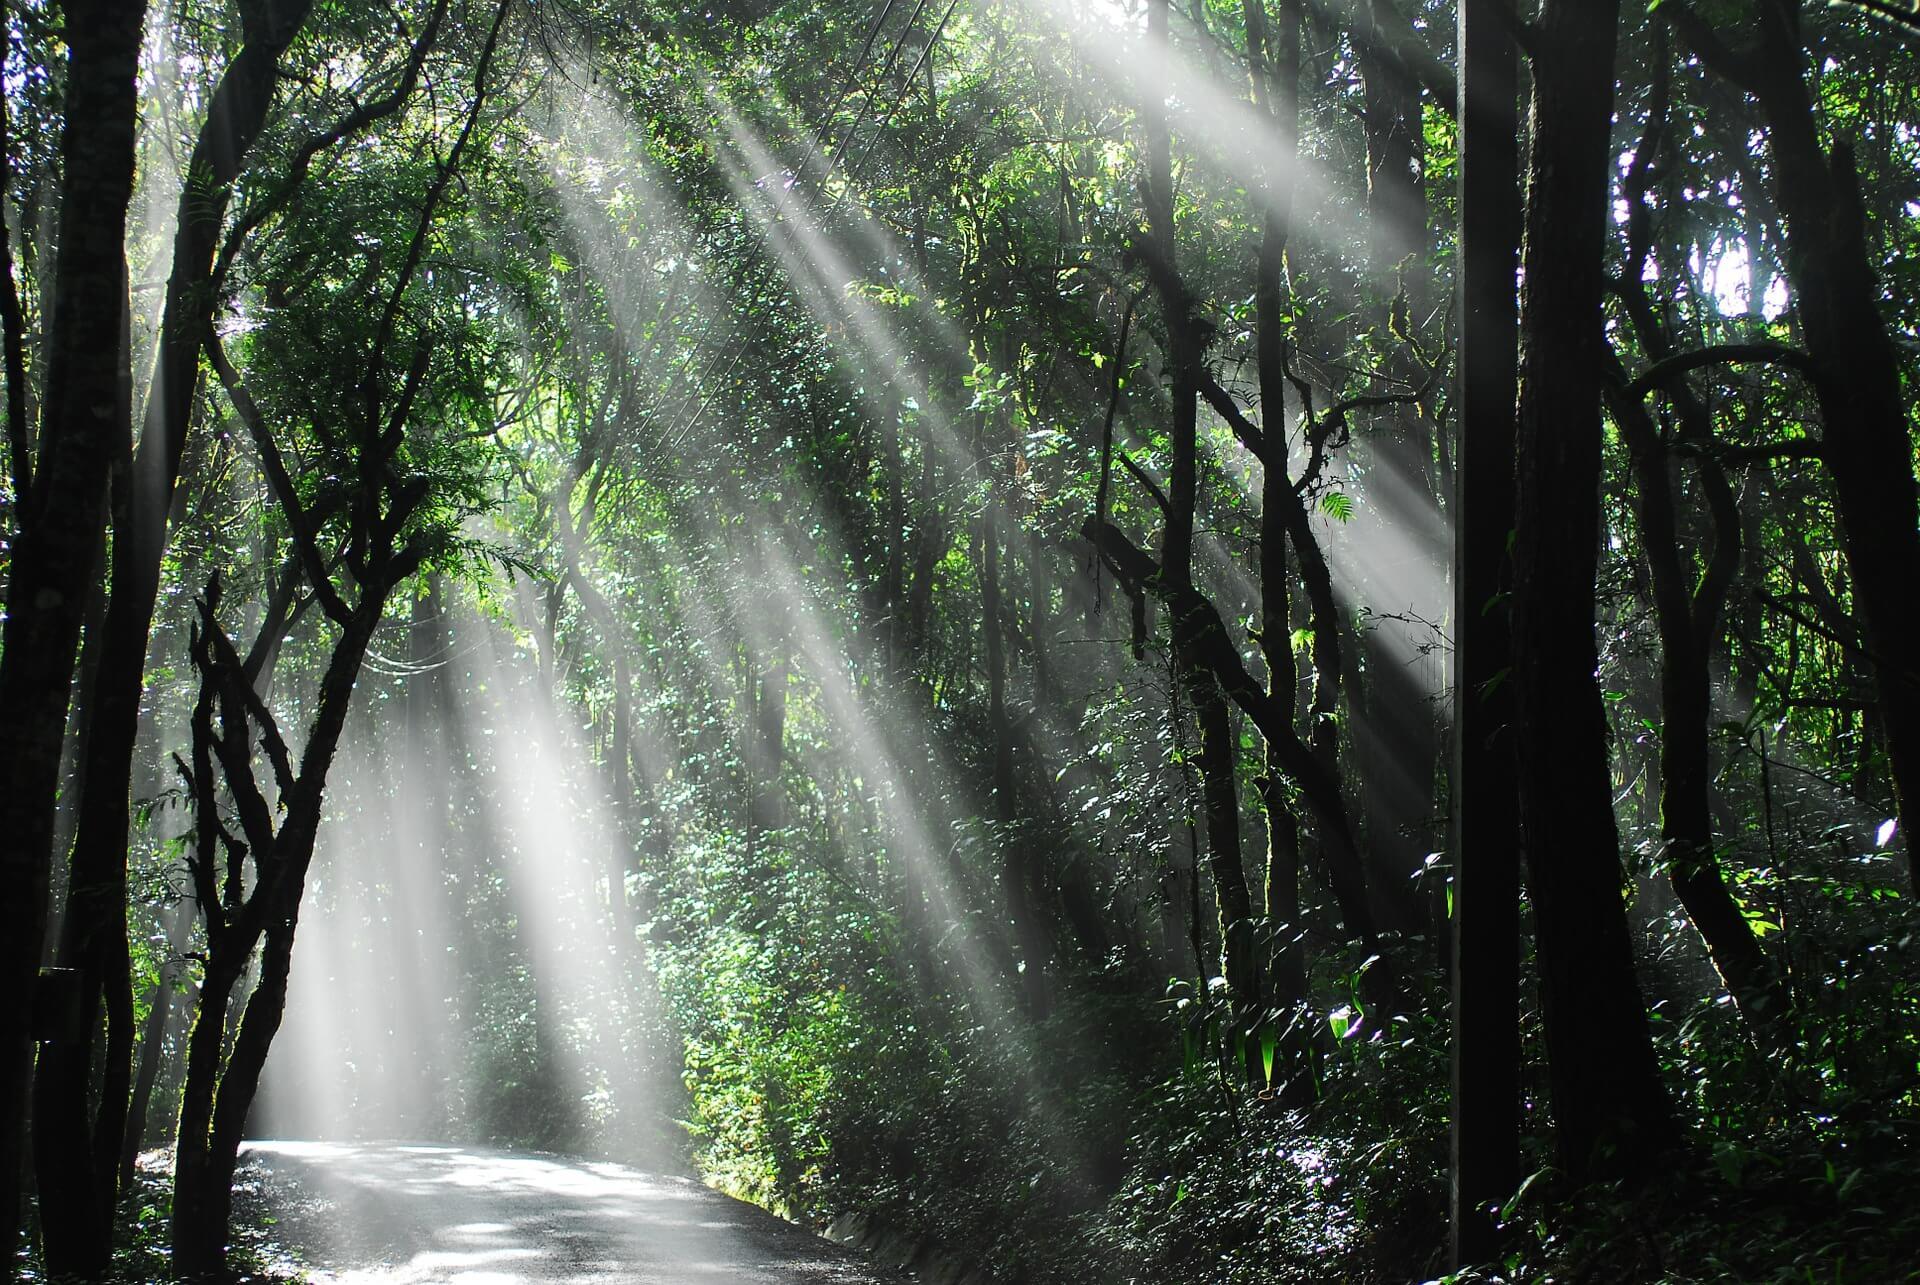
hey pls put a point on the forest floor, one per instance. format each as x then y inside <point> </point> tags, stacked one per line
<point>412,1214</point>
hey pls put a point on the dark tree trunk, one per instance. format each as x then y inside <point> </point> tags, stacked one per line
<point>1688,609</point>
<point>199,1198</point>
<point>1867,445</point>
<point>217,1099</point>
<point>80,1157</point>
<point>1485,836</point>
<point>1198,623</point>
<point>219,1092</point>
<point>1688,621</point>
<point>1395,725</point>
<point>239,1082</point>
<point>1273,57</point>
<point>86,425</point>
<point>1610,1109</point>
<point>1219,788</point>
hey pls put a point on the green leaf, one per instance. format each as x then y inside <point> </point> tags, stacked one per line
<point>1520,1194</point>
<point>1340,1019</point>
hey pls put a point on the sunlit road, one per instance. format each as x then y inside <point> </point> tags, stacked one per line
<point>401,1215</point>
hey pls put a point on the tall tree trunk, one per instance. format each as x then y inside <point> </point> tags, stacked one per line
<point>198,1195</point>
<point>1688,622</point>
<point>1273,58</point>
<point>1867,444</point>
<point>1688,609</point>
<point>1395,724</point>
<point>1219,789</point>
<point>1485,1135</point>
<point>80,1158</point>
<point>86,424</point>
<point>1610,1109</point>
<point>73,756</point>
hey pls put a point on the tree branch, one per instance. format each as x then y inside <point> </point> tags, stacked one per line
<point>1243,428</point>
<point>352,123</point>
<point>1668,369</point>
<point>1140,476</point>
<point>299,522</point>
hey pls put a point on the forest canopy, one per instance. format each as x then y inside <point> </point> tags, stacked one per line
<point>1243,641</point>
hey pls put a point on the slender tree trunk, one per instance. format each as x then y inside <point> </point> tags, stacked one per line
<point>1688,608</point>
<point>1688,621</point>
<point>85,425</point>
<point>203,1195</point>
<point>1610,1109</point>
<point>1273,58</point>
<point>1485,1137</point>
<point>73,757</point>
<point>1395,724</point>
<point>1219,789</point>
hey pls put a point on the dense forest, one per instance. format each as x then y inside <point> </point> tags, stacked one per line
<point>1108,640</point>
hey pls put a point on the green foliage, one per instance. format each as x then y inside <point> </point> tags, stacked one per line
<point>688,412</point>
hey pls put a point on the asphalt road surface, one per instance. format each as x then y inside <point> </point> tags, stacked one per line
<point>399,1214</point>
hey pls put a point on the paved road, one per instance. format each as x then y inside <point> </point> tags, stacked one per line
<point>396,1214</point>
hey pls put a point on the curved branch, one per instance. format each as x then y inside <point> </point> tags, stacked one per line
<point>1668,369</point>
